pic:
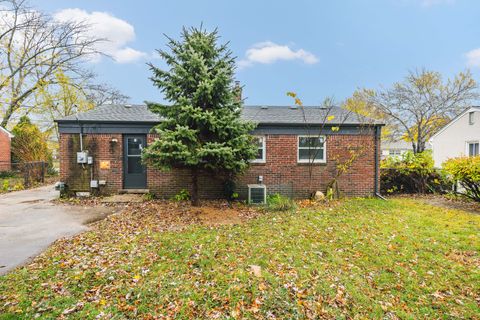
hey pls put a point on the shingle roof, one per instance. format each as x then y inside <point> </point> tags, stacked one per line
<point>116,113</point>
<point>295,115</point>
<point>259,114</point>
<point>396,144</point>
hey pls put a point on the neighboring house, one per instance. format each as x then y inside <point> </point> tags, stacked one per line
<point>395,148</point>
<point>392,148</point>
<point>5,150</point>
<point>114,136</point>
<point>460,137</point>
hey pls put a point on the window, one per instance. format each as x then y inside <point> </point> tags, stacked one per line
<point>471,118</point>
<point>311,149</point>
<point>473,149</point>
<point>134,153</point>
<point>262,150</point>
<point>395,152</point>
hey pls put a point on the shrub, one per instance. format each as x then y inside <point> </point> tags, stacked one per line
<point>5,185</point>
<point>411,173</point>
<point>229,187</point>
<point>51,170</point>
<point>277,202</point>
<point>7,174</point>
<point>29,143</point>
<point>148,196</point>
<point>183,195</point>
<point>18,186</point>
<point>466,171</point>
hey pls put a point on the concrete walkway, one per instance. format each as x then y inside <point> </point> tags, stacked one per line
<point>30,222</point>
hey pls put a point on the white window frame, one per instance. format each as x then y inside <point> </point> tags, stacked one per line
<point>467,147</point>
<point>324,160</point>
<point>394,152</point>
<point>471,117</point>
<point>264,150</point>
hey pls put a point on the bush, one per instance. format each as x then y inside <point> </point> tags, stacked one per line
<point>29,143</point>
<point>466,171</point>
<point>6,185</point>
<point>229,187</point>
<point>7,174</point>
<point>277,202</point>
<point>411,173</point>
<point>183,195</point>
<point>149,196</point>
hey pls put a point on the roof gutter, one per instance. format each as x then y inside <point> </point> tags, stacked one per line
<point>104,121</point>
<point>292,124</point>
<point>377,162</point>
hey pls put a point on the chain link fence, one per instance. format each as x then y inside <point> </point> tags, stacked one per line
<point>26,173</point>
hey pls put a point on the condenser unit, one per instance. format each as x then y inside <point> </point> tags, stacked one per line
<point>257,193</point>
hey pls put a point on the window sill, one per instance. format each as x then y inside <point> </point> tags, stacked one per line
<point>316,163</point>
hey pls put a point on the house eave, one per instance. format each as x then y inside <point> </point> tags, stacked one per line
<point>273,123</point>
<point>445,127</point>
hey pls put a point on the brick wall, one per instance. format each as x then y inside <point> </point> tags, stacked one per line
<point>168,184</point>
<point>5,152</point>
<point>281,172</point>
<point>103,148</point>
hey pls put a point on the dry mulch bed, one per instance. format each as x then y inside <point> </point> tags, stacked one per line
<point>456,203</point>
<point>168,215</point>
<point>161,215</point>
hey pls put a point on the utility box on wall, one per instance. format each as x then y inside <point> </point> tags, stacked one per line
<point>82,157</point>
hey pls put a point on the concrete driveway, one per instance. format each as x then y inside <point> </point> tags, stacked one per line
<point>30,222</point>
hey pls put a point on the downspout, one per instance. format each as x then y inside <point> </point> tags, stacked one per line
<point>377,164</point>
<point>81,132</point>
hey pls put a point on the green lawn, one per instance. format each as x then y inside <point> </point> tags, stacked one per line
<point>360,259</point>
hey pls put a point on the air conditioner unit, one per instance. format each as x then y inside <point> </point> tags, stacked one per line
<point>257,193</point>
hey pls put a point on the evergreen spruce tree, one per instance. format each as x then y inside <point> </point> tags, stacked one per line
<point>202,130</point>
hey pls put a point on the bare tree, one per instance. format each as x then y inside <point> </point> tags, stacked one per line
<point>33,46</point>
<point>100,94</point>
<point>423,103</point>
<point>318,123</point>
<point>66,96</point>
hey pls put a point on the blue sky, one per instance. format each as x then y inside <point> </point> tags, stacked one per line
<point>315,48</point>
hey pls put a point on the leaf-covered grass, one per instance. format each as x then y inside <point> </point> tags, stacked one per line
<point>362,258</point>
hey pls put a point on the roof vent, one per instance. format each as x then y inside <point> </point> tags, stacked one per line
<point>264,107</point>
<point>128,106</point>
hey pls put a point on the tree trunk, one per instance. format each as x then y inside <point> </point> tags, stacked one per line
<point>195,200</point>
<point>414,147</point>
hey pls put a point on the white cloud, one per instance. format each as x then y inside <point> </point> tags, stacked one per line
<point>117,32</point>
<point>270,52</point>
<point>127,54</point>
<point>473,58</point>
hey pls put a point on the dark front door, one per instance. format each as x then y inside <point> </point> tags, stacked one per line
<point>134,173</point>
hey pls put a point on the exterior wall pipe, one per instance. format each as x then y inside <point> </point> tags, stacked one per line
<point>377,163</point>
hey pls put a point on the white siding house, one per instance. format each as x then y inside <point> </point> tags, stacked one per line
<point>394,148</point>
<point>460,137</point>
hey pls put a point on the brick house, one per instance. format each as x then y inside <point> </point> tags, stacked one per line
<point>295,157</point>
<point>5,150</point>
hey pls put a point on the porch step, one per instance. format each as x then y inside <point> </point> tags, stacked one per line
<point>123,198</point>
<point>134,191</point>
